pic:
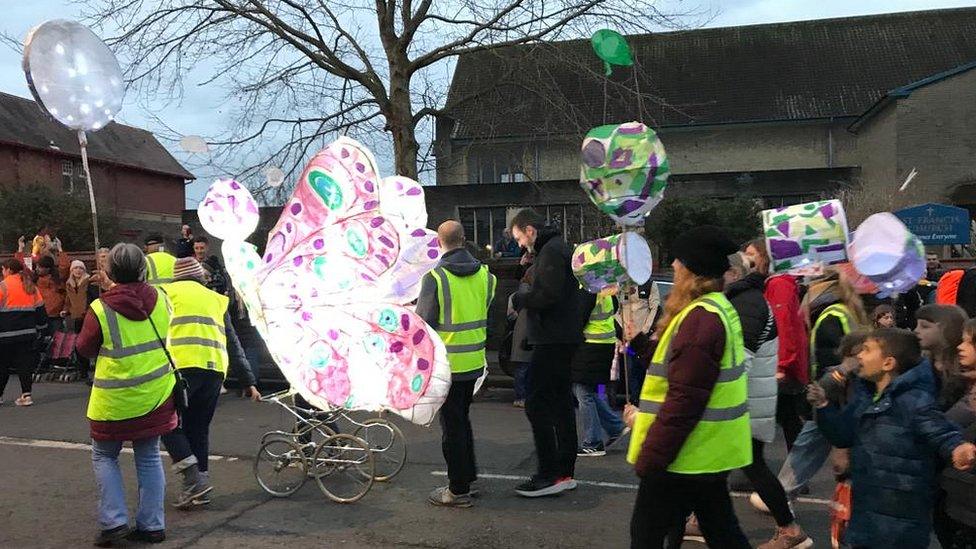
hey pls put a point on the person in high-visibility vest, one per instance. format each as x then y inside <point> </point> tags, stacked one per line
<point>202,344</point>
<point>454,300</point>
<point>692,425</point>
<point>834,310</point>
<point>131,397</point>
<point>23,319</point>
<point>591,369</point>
<point>159,263</point>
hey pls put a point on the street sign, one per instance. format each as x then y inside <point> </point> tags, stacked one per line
<point>937,224</point>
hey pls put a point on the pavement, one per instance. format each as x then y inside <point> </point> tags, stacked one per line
<point>48,489</point>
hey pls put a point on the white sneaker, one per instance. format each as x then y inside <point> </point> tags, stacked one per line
<point>758,503</point>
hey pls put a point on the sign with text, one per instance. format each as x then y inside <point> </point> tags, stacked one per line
<point>937,224</point>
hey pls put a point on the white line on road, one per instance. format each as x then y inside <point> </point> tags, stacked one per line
<point>492,476</point>
<point>62,445</point>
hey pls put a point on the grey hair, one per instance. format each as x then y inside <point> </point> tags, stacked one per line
<point>741,264</point>
<point>126,263</point>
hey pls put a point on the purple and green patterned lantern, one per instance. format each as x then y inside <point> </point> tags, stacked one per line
<point>802,238</point>
<point>624,171</point>
<point>612,262</point>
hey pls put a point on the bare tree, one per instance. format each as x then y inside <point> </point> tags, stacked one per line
<point>302,70</point>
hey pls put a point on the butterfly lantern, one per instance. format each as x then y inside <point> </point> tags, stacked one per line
<point>329,296</point>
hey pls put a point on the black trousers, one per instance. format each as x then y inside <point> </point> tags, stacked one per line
<point>549,407</point>
<point>192,436</point>
<point>789,414</point>
<point>457,438</point>
<point>664,501</point>
<point>767,486</point>
<point>20,358</point>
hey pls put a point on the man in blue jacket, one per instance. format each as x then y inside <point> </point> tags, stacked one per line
<point>896,433</point>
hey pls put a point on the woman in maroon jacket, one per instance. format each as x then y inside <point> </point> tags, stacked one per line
<point>129,298</point>
<point>692,366</point>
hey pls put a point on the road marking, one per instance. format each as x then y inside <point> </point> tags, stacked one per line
<point>62,445</point>
<point>492,476</point>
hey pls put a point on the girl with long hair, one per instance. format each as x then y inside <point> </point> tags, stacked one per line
<point>692,426</point>
<point>939,330</point>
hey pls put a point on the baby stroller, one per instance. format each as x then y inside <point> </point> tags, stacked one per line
<point>58,360</point>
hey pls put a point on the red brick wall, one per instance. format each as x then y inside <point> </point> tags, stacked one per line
<point>115,186</point>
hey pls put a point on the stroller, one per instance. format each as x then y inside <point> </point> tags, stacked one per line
<point>58,360</point>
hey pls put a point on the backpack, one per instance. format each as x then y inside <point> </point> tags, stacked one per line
<point>948,288</point>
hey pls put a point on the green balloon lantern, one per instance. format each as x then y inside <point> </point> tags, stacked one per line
<point>612,48</point>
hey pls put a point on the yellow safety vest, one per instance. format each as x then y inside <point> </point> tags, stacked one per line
<point>196,330</point>
<point>599,328</point>
<point>843,315</point>
<point>463,319</point>
<point>721,439</point>
<point>159,268</point>
<point>132,373</point>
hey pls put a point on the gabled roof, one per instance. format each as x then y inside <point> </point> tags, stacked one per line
<point>906,91</point>
<point>773,72</point>
<point>24,123</point>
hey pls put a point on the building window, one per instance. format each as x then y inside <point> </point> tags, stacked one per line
<point>67,176</point>
<point>499,164</point>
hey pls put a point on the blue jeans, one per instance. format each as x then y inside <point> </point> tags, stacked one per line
<point>112,511</point>
<point>810,451</point>
<point>520,380</point>
<point>596,416</point>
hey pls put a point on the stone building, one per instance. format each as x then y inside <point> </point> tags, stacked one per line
<point>782,112</point>
<point>135,177</point>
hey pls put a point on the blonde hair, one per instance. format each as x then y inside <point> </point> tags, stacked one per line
<point>685,291</point>
<point>741,264</point>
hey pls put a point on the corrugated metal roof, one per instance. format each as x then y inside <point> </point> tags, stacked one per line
<point>783,71</point>
<point>23,122</point>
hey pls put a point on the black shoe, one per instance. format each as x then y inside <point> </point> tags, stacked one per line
<point>146,536</point>
<point>536,487</point>
<point>106,538</point>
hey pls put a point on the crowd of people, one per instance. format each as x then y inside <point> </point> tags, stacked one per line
<point>883,389</point>
<point>708,374</point>
<point>158,329</point>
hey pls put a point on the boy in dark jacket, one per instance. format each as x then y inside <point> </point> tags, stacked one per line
<point>895,433</point>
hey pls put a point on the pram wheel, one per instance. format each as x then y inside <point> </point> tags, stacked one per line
<point>343,468</point>
<point>280,467</point>
<point>387,444</point>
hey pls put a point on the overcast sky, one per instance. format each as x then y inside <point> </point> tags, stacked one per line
<point>202,114</point>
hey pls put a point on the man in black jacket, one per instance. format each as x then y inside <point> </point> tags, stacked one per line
<point>554,333</point>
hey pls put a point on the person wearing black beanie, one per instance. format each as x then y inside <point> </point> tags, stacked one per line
<point>692,426</point>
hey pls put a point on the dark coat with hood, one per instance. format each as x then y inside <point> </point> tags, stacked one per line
<point>458,262</point>
<point>131,301</point>
<point>592,361</point>
<point>552,300</point>
<point>897,441</point>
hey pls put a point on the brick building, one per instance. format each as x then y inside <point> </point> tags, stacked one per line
<point>134,176</point>
<point>784,112</point>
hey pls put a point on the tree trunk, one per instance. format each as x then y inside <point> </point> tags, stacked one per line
<point>399,121</point>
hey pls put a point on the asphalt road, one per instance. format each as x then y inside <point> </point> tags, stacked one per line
<point>48,497</point>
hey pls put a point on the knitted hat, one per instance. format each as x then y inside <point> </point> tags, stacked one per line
<point>704,251</point>
<point>78,263</point>
<point>154,238</point>
<point>187,268</point>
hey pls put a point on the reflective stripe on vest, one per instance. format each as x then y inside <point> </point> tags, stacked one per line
<point>131,371</point>
<point>843,315</point>
<point>599,328</point>
<point>463,320</point>
<point>159,268</point>
<point>197,337</point>
<point>721,440</point>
